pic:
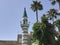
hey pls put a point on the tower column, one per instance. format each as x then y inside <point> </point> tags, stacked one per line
<point>25,26</point>
<point>25,37</point>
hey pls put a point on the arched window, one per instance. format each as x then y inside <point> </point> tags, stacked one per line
<point>25,21</point>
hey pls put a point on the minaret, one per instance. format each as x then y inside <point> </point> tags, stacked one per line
<point>25,26</point>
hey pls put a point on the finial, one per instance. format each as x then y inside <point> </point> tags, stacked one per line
<point>25,14</point>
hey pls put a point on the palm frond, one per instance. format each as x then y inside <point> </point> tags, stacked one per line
<point>52,14</point>
<point>36,6</point>
<point>33,7</point>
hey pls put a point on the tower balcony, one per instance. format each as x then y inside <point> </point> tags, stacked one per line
<point>24,25</point>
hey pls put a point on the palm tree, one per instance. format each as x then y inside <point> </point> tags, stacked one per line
<point>49,32</point>
<point>44,32</point>
<point>52,14</point>
<point>53,2</point>
<point>35,7</point>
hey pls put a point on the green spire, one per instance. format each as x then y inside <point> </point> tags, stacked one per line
<point>25,14</point>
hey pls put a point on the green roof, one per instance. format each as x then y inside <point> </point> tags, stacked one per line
<point>25,14</point>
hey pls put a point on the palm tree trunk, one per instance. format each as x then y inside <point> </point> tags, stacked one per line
<point>37,15</point>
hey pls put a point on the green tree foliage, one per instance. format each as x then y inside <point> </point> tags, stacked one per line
<point>44,32</point>
<point>35,7</point>
<point>57,23</point>
<point>53,2</point>
<point>52,14</point>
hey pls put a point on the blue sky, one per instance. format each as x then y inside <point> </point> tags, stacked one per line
<point>11,12</point>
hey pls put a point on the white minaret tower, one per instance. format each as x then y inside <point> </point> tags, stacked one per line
<point>25,26</point>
